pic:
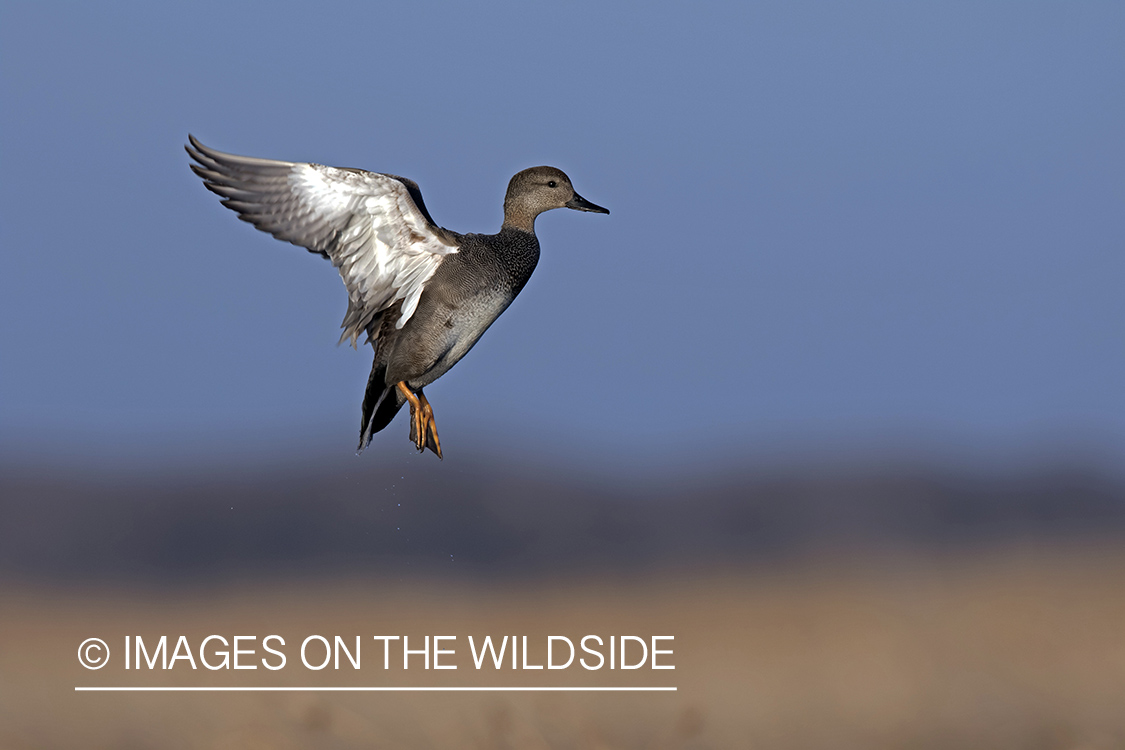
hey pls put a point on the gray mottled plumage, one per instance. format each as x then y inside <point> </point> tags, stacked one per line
<point>423,295</point>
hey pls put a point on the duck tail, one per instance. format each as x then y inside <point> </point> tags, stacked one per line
<point>380,405</point>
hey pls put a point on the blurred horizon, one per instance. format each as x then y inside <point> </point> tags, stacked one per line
<point>320,442</point>
<point>492,515</point>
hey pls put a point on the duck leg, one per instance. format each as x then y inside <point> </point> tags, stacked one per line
<point>415,414</point>
<point>423,431</point>
<point>429,425</point>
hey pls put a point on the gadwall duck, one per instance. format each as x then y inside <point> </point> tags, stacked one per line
<point>422,294</point>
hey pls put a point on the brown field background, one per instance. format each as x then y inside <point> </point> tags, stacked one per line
<point>1014,648</point>
<point>816,609</point>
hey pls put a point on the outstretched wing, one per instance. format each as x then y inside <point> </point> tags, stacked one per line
<point>382,241</point>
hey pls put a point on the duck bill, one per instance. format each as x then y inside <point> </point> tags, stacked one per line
<point>578,203</point>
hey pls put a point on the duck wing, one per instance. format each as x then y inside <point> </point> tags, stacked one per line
<point>373,227</point>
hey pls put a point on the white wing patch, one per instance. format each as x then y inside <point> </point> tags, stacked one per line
<point>366,223</point>
<point>385,249</point>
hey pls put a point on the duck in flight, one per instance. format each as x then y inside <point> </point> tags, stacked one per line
<point>421,294</point>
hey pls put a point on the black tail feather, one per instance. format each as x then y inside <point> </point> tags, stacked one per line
<point>380,405</point>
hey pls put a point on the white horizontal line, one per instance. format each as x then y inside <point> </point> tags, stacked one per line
<point>383,689</point>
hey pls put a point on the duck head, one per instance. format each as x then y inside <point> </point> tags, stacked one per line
<point>539,189</point>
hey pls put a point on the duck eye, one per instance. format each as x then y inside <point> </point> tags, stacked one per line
<point>552,183</point>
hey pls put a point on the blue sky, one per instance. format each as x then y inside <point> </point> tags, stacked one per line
<point>832,224</point>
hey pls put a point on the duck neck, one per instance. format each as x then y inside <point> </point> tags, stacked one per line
<point>518,217</point>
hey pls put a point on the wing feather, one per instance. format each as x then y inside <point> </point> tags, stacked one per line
<point>368,224</point>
